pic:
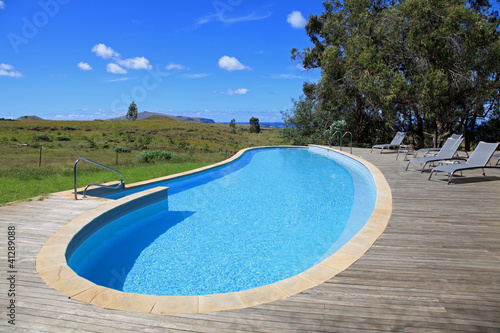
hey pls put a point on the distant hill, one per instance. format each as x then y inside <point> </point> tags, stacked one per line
<point>156,116</point>
<point>30,118</point>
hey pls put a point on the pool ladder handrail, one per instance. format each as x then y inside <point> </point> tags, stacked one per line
<point>121,185</point>
<point>333,136</point>
<point>343,137</point>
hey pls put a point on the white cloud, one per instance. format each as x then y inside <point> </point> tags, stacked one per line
<point>284,76</point>
<point>219,17</point>
<point>240,91</point>
<point>9,70</point>
<point>6,67</point>
<point>196,76</point>
<point>296,19</point>
<point>231,64</point>
<point>119,65</point>
<point>86,114</point>
<point>174,66</point>
<point>84,66</point>
<point>135,63</point>
<point>118,80</point>
<point>115,69</point>
<point>104,51</point>
<point>250,17</point>
<point>2,4</point>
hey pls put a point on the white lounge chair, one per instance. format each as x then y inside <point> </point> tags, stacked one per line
<point>427,151</point>
<point>477,160</point>
<point>445,153</point>
<point>396,142</point>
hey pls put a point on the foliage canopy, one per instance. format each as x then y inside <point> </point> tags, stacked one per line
<point>132,111</point>
<point>423,66</point>
<point>254,125</point>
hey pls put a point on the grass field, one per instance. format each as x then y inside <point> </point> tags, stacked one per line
<point>24,174</point>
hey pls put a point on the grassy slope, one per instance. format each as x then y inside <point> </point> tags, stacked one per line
<point>193,145</point>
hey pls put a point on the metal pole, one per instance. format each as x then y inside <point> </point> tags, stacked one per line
<point>40,161</point>
<point>351,138</point>
<point>74,173</point>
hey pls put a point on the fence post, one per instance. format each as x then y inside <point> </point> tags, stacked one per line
<point>40,160</point>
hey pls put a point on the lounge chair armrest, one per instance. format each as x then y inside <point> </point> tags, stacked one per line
<point>445,162</point>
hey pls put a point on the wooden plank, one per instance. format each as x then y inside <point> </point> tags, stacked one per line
<point>435,268</point>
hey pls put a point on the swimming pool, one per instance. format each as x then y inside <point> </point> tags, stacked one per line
<point>269,215</point>
<point>216,234</point>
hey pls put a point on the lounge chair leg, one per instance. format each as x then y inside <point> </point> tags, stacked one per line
<point>484,174</point>
<point>423,167</point>
<point>449,177</point>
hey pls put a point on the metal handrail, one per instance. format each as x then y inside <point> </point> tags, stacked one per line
<point>340,138</point>
<point>351,139</point>
<point>121,185</point>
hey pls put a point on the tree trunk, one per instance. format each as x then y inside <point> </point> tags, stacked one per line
<point>419,132</point>
<point>469,130</point>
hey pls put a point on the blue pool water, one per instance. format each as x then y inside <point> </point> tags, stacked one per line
<point>267,216</point>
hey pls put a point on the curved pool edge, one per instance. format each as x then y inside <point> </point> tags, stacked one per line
<point>52,266</point>
<point>71,193</point>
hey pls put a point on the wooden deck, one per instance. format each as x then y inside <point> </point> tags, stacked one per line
<point>435,268</point>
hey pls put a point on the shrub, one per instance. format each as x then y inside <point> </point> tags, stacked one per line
<point>122,150</point>
<point>63,137</point>
<point>143,142</point>
<point>182,145</point>
<point>91,141</point>
<point>42,137</point>
<point>130,137</point>
<point>153,156</point>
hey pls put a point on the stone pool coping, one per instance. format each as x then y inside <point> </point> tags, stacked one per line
<point>52,266</point>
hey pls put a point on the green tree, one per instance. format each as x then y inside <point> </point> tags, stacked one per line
<point>425,66</point>
<point>452,62</point>
<point>254,125</point>
<point>132,111</point>
<point>232,125</point>
<point>302,122</point>
<point>347,40</point>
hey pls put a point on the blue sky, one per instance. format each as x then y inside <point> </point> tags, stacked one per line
<point>86,60</point>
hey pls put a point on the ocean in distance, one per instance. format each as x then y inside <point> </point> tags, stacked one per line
<point>264,124</point>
